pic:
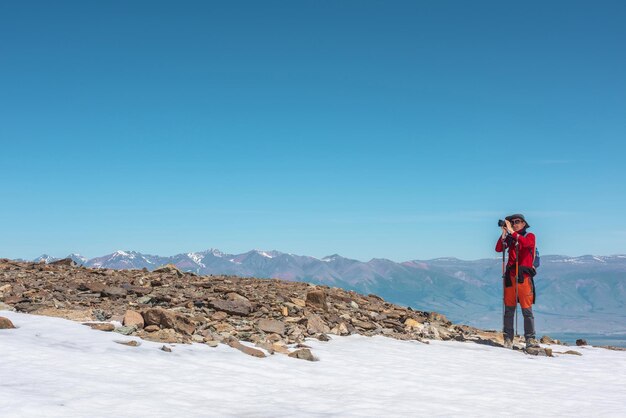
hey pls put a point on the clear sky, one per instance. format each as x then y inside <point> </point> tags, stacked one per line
<point>401,130</point>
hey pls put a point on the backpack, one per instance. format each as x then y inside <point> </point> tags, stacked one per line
<point>536,258</point>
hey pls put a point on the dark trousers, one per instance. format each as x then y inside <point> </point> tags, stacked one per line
<point>509,318</point>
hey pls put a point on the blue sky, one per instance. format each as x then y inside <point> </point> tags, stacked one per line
<point>401,130</point>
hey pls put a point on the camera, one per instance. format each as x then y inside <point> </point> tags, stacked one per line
<point>501,223</point>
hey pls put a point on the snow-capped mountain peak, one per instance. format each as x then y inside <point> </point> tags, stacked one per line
<point>264,253</point>
<point>197,258</point>
<point>46,258</point>
<point>77,258</point>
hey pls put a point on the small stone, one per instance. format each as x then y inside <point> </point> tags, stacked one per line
<point>196,338</point>
<point>144,300</point>
<point>219,316</point>
<point>236,297</point>
<point>131,343</point>
<point>354,305</point>
<point>412,323</point>
<point>125,330</point>
<point>538,351</point>
<point>114,292</point>
<point>152,328</point>
<point>164,336</point>
<point>581,342</point>
<point>265,345</point>
<point>323,337</point>
<point>223,327</point>
<point>245,349</point>
<point>303,354</point>
<point>437,317</point>
<point>212,343</point>
<point>101,326</point>
<point>100,315</point>
<point>298,302</point>
<point>363,324</point>
<point>546,340</point>
<point>573,352</point>
<point>5,323</point>
<point>166,349</point>
<point>285,311</point>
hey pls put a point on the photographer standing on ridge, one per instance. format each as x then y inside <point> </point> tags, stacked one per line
<point>518,277</point>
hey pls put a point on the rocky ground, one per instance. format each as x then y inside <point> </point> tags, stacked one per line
<point>170,306</point>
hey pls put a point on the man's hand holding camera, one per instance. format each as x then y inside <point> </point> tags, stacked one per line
<point>506,228</point>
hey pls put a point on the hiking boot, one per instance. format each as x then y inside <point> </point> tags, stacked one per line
<point>532,343</point>
<point>508,343</point>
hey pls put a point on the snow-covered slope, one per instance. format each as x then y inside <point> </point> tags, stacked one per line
<point>59,368</point>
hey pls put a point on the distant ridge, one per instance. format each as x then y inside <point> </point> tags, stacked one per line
<point>585,293</point>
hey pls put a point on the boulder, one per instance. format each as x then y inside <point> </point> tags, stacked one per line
<point>94,287</point>
<point>133,319</point>
<point>303,354</point>
<point>5,323</point>
<point>232,307</point>
<point>581,342</point>
<point>340,329</point>
<point>245,349</point>
<point>272,326</point>
<point>114,292</point>
<point>316,325</point>
<point>169,268</point>
<point>317,299</point>
<point>168,319</point>
<point>363,324</point>
<point>64,262</point>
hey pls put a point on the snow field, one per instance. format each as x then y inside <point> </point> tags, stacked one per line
<point>51,367</point>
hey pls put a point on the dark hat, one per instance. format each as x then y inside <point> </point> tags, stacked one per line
<point>517,216</point>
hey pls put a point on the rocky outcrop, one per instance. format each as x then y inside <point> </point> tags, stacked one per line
<point>169,306</point>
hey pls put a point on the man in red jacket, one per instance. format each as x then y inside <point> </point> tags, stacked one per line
<point>518,277</point>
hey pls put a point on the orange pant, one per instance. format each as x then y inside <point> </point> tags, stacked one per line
<point>525,294</point>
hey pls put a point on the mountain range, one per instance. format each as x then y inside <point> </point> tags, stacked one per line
<point>574,294</point>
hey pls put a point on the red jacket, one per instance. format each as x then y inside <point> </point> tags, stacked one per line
<point>526,248</point>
